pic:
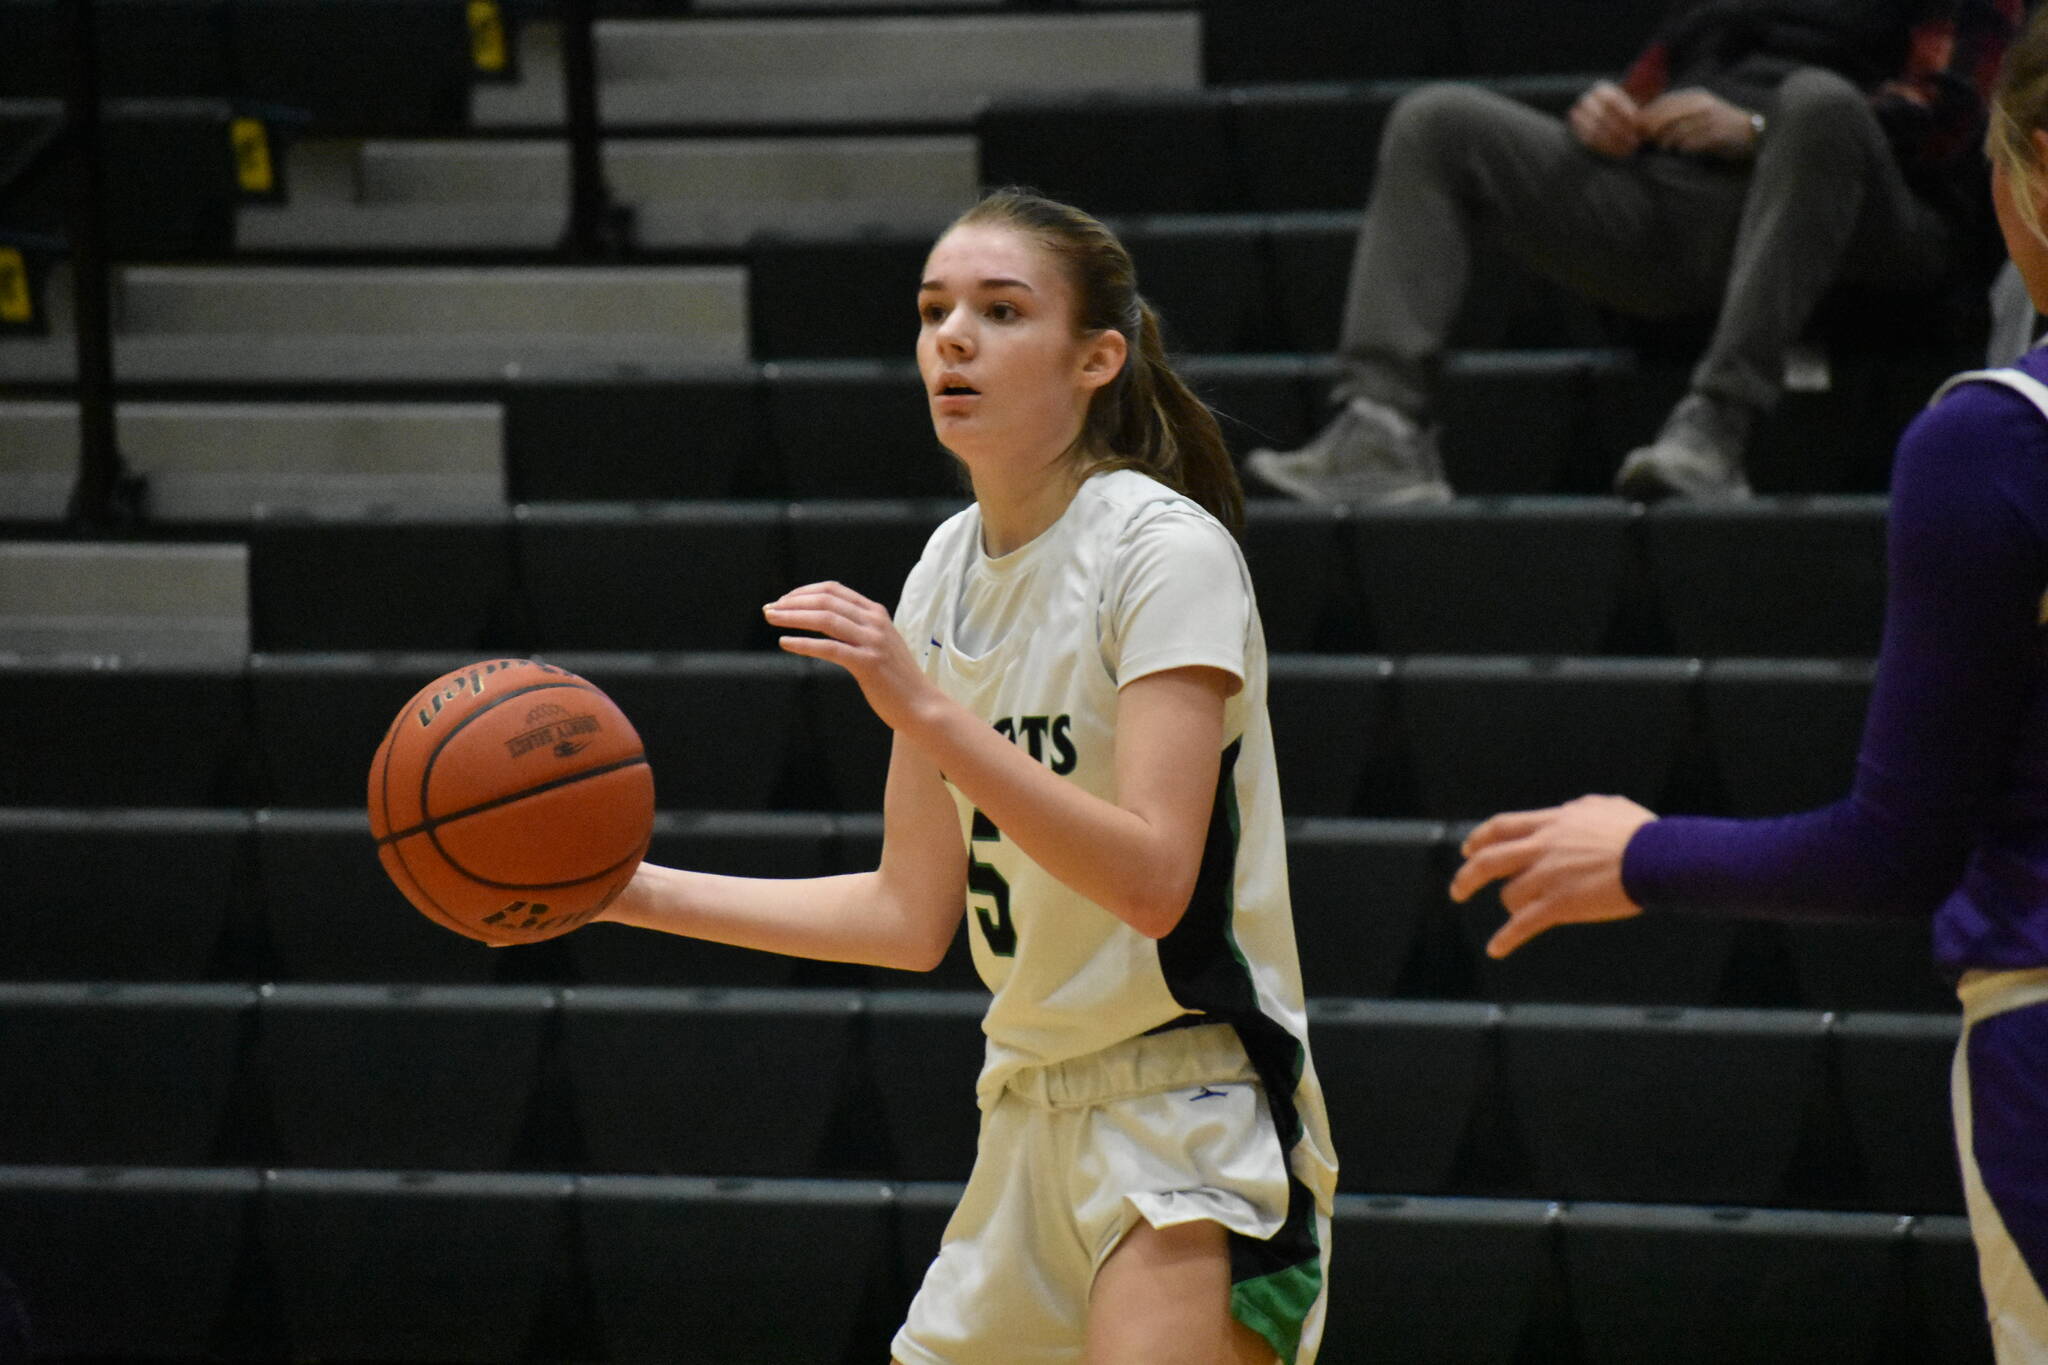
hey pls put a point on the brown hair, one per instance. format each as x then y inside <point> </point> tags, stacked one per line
<point>1146,418</point>
<point>2019,105</point>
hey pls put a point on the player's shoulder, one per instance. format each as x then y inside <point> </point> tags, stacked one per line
<point>1128,504</point>
<point>1982,420</point>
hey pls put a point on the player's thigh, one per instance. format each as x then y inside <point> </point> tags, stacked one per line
<point>1163,1298</point>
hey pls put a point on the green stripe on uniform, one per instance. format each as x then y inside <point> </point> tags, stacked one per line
<point>1275,1306</point>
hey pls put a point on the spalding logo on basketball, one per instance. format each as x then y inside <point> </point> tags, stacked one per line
<point>511,801</point>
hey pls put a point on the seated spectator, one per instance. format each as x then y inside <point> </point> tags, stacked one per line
<point>1755,153</point>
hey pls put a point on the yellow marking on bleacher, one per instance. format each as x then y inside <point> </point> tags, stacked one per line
<point>486,35</point>
<point>16,303</point>
<point>2042,619</point>
<point>253,169</point>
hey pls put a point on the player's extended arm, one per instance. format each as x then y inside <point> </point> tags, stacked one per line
<point>1136,857</point>
<point>903,914</point>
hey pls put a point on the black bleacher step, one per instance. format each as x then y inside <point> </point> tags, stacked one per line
<point>126,731</point>
<point>1594,1100</point>
<point>1785,730</point>
<point>708,1082</point>
<point>125,1262</point>
<point>1403,1081</point>
<point>1892,1064</point>
<point>120,895</point>
<point>772,1271</point>
<point>387,1265</point>
<point>118,1073</point>
<point>1731,1286</point>
<point>411,1077</point>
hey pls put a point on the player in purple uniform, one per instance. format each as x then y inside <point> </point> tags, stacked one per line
<point>1948,813</point>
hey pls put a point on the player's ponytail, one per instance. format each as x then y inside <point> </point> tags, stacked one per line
<point>1146,418</point>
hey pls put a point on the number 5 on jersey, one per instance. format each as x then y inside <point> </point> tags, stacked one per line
<point>997,929</point>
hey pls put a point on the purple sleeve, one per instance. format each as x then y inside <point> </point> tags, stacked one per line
<point>1967,566</point>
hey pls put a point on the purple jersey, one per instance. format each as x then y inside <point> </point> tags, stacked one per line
<point>1948,812</point>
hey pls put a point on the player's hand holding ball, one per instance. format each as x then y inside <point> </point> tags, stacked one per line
<point>511,801</point>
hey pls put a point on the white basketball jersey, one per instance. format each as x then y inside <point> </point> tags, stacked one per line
<point>1133,579</point>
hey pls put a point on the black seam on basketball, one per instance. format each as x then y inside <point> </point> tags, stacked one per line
<point>434,754</point>
<point>429,826</point>
<point>537,886</point>
<point>426,901</point>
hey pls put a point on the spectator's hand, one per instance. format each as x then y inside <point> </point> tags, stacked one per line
<point>1699,124</point>
<point>1561,865</point>
<point>1607,121</point>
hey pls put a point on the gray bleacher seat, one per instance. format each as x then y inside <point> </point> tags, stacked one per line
<point>858,429</point>
<point>636,439</point>
<point>1943,1289</point>
<point>1307,591</point>
<point>136,732</point>
<point>1507,732</point>
<point>1331,732</point>
<point>1365,893</point>
<point>1868,965</point>
<point>125,1262</point>
<point>869,546</point>
<point>1313,40</point>
<point>1501,37</point>
<point>723,842</point>
<point>1649,960</point>
<point>104,598</point>
<point>708,1082</point>
<point>1661,1104</point>
<point>1182,138</point>
<point>387,1265</point>
<point>719,729</point>
<point>668,576</point>
<point>118,1074</point>
<point>176,170</point>
<point>1452,1281</point>
<point>389,580</point>
<point>1894,1078</point>
<point>403,1077</point>
<point>1729,1286</point>
<point>1493,577</point>
<point>1259,400</point>
<point>331,914</point>
<point>751,1272</point>
<point>1823,559</point>
<point>1785,731</point>
<point>1403,1080</point>
<point>87,882</point>
<point>925,1051</point>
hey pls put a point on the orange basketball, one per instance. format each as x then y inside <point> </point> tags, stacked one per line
<point>511,801</point>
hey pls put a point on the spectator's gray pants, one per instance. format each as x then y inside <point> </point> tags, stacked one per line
<point>1463,169</point>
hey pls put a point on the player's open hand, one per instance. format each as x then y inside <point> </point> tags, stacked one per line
<point>1557,866</point>
<point>1699,124</point>
<point>858,635</point>
<point>1606,120</point>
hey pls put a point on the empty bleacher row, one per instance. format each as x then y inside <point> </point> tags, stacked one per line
<point>364,1265</point>
<point>1425,736</point>
<point>1530,576</point>
<point>1804,1108</point>
<point>297,896</point>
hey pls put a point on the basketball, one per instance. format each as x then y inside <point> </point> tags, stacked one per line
<point>510,801</point>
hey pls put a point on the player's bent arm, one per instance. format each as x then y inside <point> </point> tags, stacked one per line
<point>903,914</point>
<point>1138,856</point>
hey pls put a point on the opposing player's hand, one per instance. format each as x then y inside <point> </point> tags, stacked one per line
<point>1699,124</point>
<point>858,635</point>
<point>1605,119</point>
<point>1558,866</point>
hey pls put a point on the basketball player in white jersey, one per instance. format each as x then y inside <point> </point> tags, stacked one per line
<point>1076,679</point>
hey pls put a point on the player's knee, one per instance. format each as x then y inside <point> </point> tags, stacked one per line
<point>1820,109</point>
<point>1435,118</point>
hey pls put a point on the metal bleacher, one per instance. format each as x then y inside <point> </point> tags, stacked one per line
<point>254,1107</point>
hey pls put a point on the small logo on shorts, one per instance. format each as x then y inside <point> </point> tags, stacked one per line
<point>1205,1093</point>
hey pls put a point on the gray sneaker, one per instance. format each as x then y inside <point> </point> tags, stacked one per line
<point>1698,454</point>
<point>1369,454</point>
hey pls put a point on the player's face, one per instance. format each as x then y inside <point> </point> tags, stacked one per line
<point>1005,374</point>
